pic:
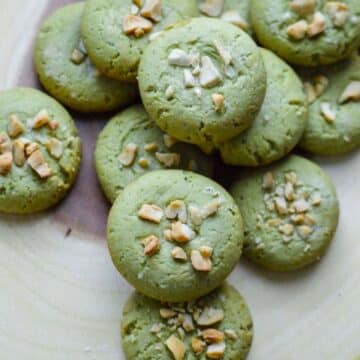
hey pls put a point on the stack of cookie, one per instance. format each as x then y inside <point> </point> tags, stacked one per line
<point>205,87</point>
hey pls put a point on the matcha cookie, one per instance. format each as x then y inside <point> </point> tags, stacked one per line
<point>66,71</point>
<point>116,32</point>
<point>279,125</point>
<point>236,12</point>
<point>174,235</point>
<point>334,113</point>
<point>203,82</point>
<point>40,151</point>
<point>131,145</point>
<point>290,213</point>
<point>308,32</point>
<point>217,326</point>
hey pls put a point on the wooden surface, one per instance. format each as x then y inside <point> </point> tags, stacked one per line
<point>62,299</point>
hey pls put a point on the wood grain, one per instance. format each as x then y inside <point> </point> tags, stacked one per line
<point>61,298</point>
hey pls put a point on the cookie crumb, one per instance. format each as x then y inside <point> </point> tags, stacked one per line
<point>216,351</point>
<point>169,92</point>
<point>189,79</point>
<point>303,7</point>
<point>144,163</point>
<point>304,231</point>
<point>55,148</point>
<point>231,334</point>
<point>31,147</point>
<point>268,181</point>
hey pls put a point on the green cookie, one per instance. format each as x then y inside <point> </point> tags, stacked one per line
<point>67,73</point>
<point>152,150</point>
<point>217,326</point>
<point>280,123</point>
<point>308,32</point>
<point>290,213</point>
<point>115,42</point>
<point>203,82</point>
<point>334,93</point>
<point>174,235</point>
<point>40,151</point>
<point>236,12</point>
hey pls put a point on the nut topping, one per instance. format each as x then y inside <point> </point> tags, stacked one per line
<point>304,231</point>
<point>268,181</point>
<point>196,215</point>
<point>176,347</point>
<point>166,313</point>
<point>178,57</point>
<point>151,245</point>
<point>55,148</point>
<point>178,254</point>
<point>5,143</point>
<point>321,83</point>
<point>328,114</point>
<point>144,163</point>
<point>151,213</point>
<point>41,119</point>
<point>310,92</point>
<point>209,74</point>
<point>338,11</point>
<point>317,26</point>
<point>303,7</point>
<point>231,334</point>
<point>197,345</point>
<point>176,210</point>
<point>216,351</point>
<point>30,148</point>
<point>224,54</point>
<point>188,323</point>
<point>189,79</point>
<point>211,208</point>
<point>181,232</point>
<point>38,164</point>
<point>19,152</point>
<point>152,10</point>
<point>128,155</point>
<point>218,101</point>
<point>233,17</point>
<point>6,161</point>
<point>206,251</point>
<point>351,92</point>
<point>212,336</point>
<point>199,262</point>
<point>169,141</point>
<point>136,25</point>
<point>212,8</point>
<point>15,126</point>
<point>168,159</point>
<point>298,30</point>
<point>152,147</point>
<point>77,56</point>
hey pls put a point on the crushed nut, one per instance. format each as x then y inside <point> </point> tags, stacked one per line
<point>41,119</point>
<point>156,328</point>
<point>328,114</point>
<point>166,313</point>
<point>152,147</point>
<point>273,222</point>
<point>216,351</point>
<point>168,159</point>
<point>144,163</point>
<point>178,57</point>
<point>286,229</point>
<point>209,74</point>
<point>152,10</point>
<point>298,30</point>
<point>321,83</point>
<point>31,148</point>
<point>181,232</point>
<point>178,254</point>
<point>231,334</point>
<point>338,11</point>
<point>233,17</point>
<point>55,147</point>
<point>128,155</point>
<point>212,8</point>
<point>176,210</point>
<point>289,191</point>
<point>224,54</point>
<point>15,126</point>
<point>151,245</point>
<point>218,101</point>
<point>136,25</point>
<point>188,324</point>
<point>212,336</point>
<point>303,7</point>
<point>5,143</point>
<point>151,213</point>
<point>206,251</point>
<point>176,347</point>
<point>317,26</point>
<point>169,141</point>
<point>351,92</point>
<point>196,215</point>
<point>281,206</point>
<point>6,161</point>
<point>210,316</point>
<point>199,262</point>
<point>304,231</point>
<point>298,218</point>
<point>301,206</point>
<point>310,92</point>
<point>53,125</point>
<point>189,79</point>
<point>134,9</point>
<point>309,219</point>
<point>167,235</point>
<point>211,208</point>
<point>197,345</point>
<point>77,56</point>
<point>268,181</point>
<point>138,3</point>
<point>291,177</point>
<point>38,164</point>
<point>19,152</point>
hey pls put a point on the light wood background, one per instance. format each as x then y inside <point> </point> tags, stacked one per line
<point>61,299</point>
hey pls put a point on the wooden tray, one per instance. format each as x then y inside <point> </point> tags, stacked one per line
<point>62,299</point>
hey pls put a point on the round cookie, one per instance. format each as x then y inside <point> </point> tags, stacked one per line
<point>290,213</point>
<point>174,235</point>
<point>110,38</point>
<point>152,330</point>
<point>236,12</point>
<point>307,32</point>
<point>153,150</point>
<point>67,73</point>
<point>334,94</point>
<point>203,82</point>
<point>40,151</point>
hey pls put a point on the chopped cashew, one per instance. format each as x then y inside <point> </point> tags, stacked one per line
<point>176,347</point>
<point>210,316</point>
<point>211,208</point>
<point>53,125</point>
<point>197,345</point>
<point>196,215</point>
<point>169,141</point>
<point>303,7</point>
<point>199,262</point>
<point>176,210</point>
<point>55,147</point>
<point>268,181</point>
<point>77,56</point>
<point>136,25</point>
<point>134,9</point>
<point>338,11</point>
<point>301,206</point>
<point>15,126</point>
<point>166,313</point>
<point>189,79</point>
<point>287,229</point>
<point>218,101</point>
<point>224,54</point>
<point>280,205</point>
<point>41,119</point>
<point>6,161</point>
<point>216,351</point>
<point>151,245</point>
<point>351,92</point>
<point>328,114</point>
<point>316,199</point>
<point>38,164</point>
<point>310,92</point>
<point>317,25</point>
<point>19,152</point>
<point>178,57</point>
<point>5,143</point>
<point>151,213</point>
<point>209,75</point>
<point>298,30</point>
<point>289,191</point>
<point>152,10</point>
<point>212,336</point>
<point>231,334</point>
<point>321,83</point>
<point>304,231</point>
<point>212,8</point>
<point>181,232</point>
<point>206,251</point>
<point>178,254</point>
<point>128,155</point>
<point>188,324</point>
<point>233,17</point>
<point>30,148</point>
<point>168,159</point>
